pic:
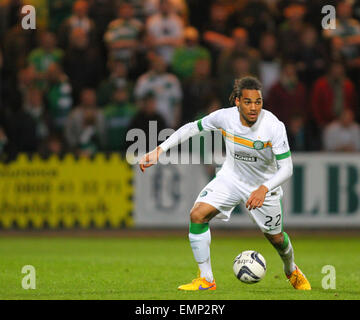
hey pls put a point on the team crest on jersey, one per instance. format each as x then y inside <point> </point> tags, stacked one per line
<point>258,145</point>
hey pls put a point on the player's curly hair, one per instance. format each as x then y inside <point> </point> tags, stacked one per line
<point>249,83</point>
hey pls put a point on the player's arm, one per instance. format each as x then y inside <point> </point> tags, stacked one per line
<point>150,158</point>
<point>208,123</point>
<point>182,134</point>
<point>285,169</point>
<point>284,172</point>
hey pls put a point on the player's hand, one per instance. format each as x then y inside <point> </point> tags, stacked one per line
<point>150,158</point>
<point>257,198</point>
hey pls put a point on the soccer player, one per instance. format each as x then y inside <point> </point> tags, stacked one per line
<point>258,161</point>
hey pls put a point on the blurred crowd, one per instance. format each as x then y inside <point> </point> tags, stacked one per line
<point>92,70</point>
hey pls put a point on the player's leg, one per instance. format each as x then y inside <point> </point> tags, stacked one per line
<point>269,218</point>
<point>282,244</point>
<point>200,237</point>
<point>218,199</point>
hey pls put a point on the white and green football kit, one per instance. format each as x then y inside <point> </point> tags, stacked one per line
<point>256,155</point>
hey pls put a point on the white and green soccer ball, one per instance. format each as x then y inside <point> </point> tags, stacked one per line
<point>249,266</point>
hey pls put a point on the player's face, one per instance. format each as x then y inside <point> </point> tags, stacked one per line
<point>249,105</point>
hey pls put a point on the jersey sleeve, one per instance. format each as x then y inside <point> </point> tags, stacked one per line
<point>211,122</point>
<point>280,144</point>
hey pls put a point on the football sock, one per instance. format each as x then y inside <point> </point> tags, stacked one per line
<point>286,253</point>
<point>200,239</point>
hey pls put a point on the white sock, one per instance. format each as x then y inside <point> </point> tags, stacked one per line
<point>200,245</point>
<point>287,256</point>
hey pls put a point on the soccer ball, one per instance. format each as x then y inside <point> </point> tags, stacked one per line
<point>249,266</point>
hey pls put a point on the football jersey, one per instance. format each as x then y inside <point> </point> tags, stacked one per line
<point>167,90</point>
<point>251,152</point>
<point>162,28</point>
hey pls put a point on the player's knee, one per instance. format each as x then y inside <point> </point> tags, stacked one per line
<point>276,240</point>
<point>196,216</point>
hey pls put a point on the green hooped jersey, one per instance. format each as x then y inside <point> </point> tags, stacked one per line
<point>251,152</point>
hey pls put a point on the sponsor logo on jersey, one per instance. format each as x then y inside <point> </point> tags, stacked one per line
<point>244,157</point>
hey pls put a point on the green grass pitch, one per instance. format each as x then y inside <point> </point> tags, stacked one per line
<point>153,267</point>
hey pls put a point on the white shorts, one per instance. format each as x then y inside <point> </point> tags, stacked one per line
<point>225,194</point>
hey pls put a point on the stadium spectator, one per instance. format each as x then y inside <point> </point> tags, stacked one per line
<point>58,96</point>
<point>41,57</point>
<point>216,32</point>
<point>297,132</point>
<point>102,12</point>
<point>240,67</point>
<point>34,106</point>
<point>83,62</point>
<point>291,29</point>
<point>25,79</point>
<point>53,145</point>
<point>78,19</point>
<point>17,45</point>
<point>310,57</point>
<point>146,113</point>
<point>254,17</point>
<point>198,9</point>
<point>166,87</point>
<point>343,134</point>
<point>164,31</point>
<point>239,47</point>
<point>20,133</point>
<point>118,78</point>
<point>185,57</point>
<point>85,126</point>
<point>335,45</point>
<point>118,116</point>
<point>332,94</point>
<point>287,97</point>
<point>197,90</point>
<point>58,12</point>
<point>123,35</point>
<point>269,63</point>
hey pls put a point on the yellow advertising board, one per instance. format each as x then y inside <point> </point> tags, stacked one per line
<point>66,193</point>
